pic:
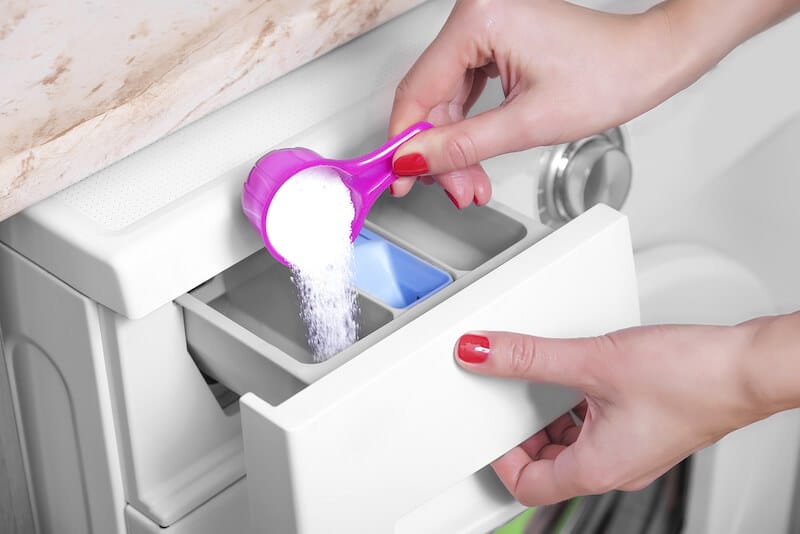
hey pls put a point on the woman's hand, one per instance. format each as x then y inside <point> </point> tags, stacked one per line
<point>566,72</point>
<point>653,396</point>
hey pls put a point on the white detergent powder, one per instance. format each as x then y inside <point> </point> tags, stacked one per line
<point>308,223</point>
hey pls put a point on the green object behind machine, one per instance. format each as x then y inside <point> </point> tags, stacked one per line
<point>517,525</point>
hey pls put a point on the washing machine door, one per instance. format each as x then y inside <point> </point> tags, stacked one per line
<point>686,283</point>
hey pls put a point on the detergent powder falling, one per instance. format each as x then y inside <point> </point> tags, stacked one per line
<point>309,222</point>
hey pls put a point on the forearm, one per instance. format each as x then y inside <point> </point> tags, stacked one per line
<point>699,33</point>
<point>715,27</point>
<point>771,364</point>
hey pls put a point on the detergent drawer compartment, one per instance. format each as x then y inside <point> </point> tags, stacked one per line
<point>399,437</point>
<point>244,326</point>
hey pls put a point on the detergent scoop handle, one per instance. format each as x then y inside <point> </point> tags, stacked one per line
<point>372,173</point>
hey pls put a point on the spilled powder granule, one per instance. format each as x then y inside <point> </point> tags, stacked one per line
<point>308,223</point>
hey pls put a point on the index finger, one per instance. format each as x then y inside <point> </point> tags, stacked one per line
<point>568,362</point>
<point>437,74</point>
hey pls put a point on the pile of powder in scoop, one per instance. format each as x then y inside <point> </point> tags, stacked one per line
<point>308,223</point>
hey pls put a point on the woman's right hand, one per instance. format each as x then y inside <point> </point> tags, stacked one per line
<point>566,72</point>
<point>652,396</point>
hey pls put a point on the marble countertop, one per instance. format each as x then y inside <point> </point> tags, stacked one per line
<point>87,83</point>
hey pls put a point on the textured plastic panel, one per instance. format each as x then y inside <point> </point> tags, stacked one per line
<point>167,218</point>
<point>130,190</point>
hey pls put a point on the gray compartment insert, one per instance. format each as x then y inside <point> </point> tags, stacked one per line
<point>265,302</point>
<point>426,223</point>
<point>250,348</point>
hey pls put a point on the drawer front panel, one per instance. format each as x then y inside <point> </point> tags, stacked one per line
<point>401,424</point>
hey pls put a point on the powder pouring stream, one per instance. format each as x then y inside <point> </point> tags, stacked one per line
<point>310,223</point>
<point>309,210</point>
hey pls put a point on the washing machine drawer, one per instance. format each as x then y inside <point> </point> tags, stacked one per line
<point>399,437</point>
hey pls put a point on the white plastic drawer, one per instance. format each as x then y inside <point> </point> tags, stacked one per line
<point>243,326</point>
<point>397,438</point>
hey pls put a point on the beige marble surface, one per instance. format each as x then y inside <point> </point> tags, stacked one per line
<point>85,83</point>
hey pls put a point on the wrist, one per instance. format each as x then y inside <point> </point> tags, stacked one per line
<point>676,58</point>
<point>703,32</point>
<point>770,364</point>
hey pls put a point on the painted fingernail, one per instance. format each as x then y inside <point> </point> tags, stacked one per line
<point>452,199</point>
<point>410,165</point>
<point>475,200</point>
<point>391,189</point>
<point>472,348</point>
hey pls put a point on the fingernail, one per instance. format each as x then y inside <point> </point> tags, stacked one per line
<point>475,200</point>
<point>391,189</point>
<point>473,348</point>
<point>452,199</point>
<point>410,165</point>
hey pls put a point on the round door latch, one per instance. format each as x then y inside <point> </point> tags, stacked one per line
<point>583,173</point>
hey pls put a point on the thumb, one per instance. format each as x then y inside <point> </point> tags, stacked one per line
<point>461,144</point>
<point>568,362</point>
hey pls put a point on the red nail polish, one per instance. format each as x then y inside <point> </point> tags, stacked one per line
<point>452,199</point>
<point>472,348</point>
<point>475,199</point>
<point>410,165</point>
<point>391,189</point>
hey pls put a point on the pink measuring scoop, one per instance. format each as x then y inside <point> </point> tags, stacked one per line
<point>366,177</point>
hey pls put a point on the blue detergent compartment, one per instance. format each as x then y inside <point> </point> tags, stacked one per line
<point>393,275</point>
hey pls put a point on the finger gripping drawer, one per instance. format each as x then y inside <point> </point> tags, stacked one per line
<point>384,442</point>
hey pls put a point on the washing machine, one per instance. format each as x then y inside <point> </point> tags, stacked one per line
<point>158,370</point>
